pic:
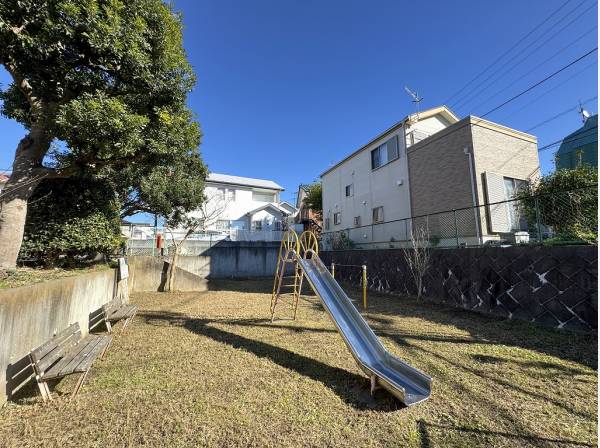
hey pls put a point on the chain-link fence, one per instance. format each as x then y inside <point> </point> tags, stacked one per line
<point>569,216</point>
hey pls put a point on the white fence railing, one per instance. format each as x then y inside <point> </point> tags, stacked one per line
<point>142,240</point>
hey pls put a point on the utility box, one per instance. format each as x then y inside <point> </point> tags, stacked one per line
<point>521,237</point>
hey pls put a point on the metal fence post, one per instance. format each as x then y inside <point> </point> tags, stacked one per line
<point>364,285</point>
<point>456,228</point>
<point>537,220</point>
<point>333,270</point>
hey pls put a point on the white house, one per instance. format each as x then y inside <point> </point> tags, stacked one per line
<point>243,203</point>
<point>370,185</point>
<point>427,163</point>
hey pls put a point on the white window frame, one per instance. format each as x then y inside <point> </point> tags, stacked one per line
<point>219,224</point>
<point>383,150</point>
<point>337,218</point>
<point>255,195</point>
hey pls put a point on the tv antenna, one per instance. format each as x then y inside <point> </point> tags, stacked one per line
<point>584,113</point>
<point>415,99</point>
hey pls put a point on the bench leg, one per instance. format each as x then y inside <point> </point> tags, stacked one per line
<point>126,323</point>
<point>79,383</point>
<point>108,326</point>
<point>44,390</point>
<point>105,349</point>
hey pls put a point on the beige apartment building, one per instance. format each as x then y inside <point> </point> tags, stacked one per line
<point>438,163</point>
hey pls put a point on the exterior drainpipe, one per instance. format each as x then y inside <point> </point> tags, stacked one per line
<point>473,193</point>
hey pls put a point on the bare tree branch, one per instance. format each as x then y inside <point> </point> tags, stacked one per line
<point>417,256</point>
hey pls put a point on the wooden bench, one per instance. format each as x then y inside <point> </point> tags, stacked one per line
<point>111,313</point>
<point>116,311</point>
<point>67,353</point>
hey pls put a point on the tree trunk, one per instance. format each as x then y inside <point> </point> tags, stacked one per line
<point>172,268</point>
<point>26,175</point>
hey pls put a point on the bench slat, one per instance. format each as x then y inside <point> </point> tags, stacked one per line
<point>58,352</point>
<point>87,346</point>
<point>73,360</point>
<point>50,345</point>
<point>123,312</point>
<point>87,361</point>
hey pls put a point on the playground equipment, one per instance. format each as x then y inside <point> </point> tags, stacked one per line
<point>363,282</point>
<point>408,384</point>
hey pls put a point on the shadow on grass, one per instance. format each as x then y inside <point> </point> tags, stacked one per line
<point>427,430</point>
<point>350,387</point>
<point>266,323</point>
<point>486,329</point>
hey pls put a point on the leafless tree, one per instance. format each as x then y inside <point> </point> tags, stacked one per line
<point>209,213</point>
<point>417,256</point>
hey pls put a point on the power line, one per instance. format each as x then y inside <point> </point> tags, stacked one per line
<point>571,109</point>
<point>587,131</point>
<point>537,66</point>
<point>540,82</point>
<point>491,78</point>
<point>507,51</point>
<point>555,87</point>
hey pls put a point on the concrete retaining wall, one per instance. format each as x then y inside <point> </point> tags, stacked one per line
<point>150,274</point>
<point>226,259</point>
<point>553,286</point>
<point>30,315</point>
<point>234,259</point>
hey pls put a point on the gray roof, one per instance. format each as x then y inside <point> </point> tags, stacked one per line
<point>245,181</point>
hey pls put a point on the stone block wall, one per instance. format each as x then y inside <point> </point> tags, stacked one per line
<point>553,286</point>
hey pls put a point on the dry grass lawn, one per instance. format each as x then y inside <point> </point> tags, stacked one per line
<point>209,369</point>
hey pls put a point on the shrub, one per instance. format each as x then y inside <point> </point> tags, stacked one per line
<point>70,220</point>
<point>567,201</point>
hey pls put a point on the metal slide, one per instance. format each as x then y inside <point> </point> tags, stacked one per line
<point>408,384</point>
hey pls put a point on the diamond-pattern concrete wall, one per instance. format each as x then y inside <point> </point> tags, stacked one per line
<point>554,286</point>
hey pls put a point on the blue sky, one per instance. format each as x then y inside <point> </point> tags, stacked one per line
<point>285,88</point>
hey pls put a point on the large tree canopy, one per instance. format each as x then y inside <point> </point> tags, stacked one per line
<point>109,79</point>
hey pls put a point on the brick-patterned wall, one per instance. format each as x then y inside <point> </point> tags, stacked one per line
<point>439,171</point>
<point>553,286</point>
<point>502,151</point>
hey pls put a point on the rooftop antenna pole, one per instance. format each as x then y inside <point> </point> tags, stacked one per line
<point>584,113</point>
<point>415,99</point>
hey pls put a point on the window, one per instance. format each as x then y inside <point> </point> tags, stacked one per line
<point>277,225</point>
<point>256,225</point>
<point>337,218</point>
<point>349,190</point>
<point>263,197</point>
<point>226,194</point>
<point>511,188</point>
<point>377,214</point>
<point>326,223</point>
<point>357,221</point>
<point>223,224</point>
<point>504,214</point>
<point>385,153</point>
